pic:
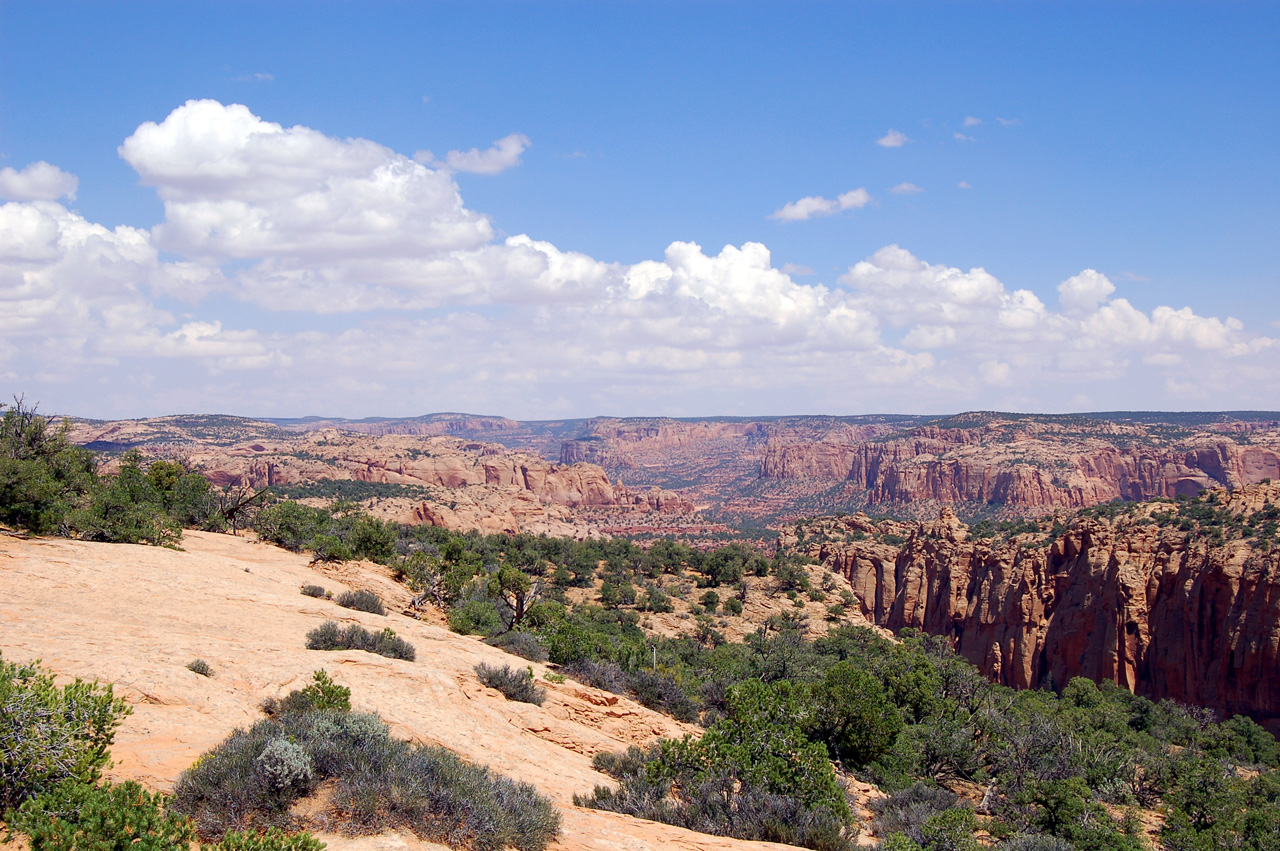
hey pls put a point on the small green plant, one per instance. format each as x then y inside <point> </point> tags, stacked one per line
<point>272,839</point>
<point>329,636</point>
<point>324,693</point>
<point>361,601</point>
<point>514,683</point>
<point>201,667</point>
<point>51,733</point>
<point>314,591</point>
<point>733,606</point>
<point>75,816</point>
<point>552,677</point>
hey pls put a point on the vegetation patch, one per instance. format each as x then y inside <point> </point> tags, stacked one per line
<point>249,782</point>
<point>361,601</point>
<point>51,733</point>
<point>201,667</point>
<point>514,683</point>
<point>753,775</point>
<point>526,645</point>
<point>75,816</point>
<point>330,636</point>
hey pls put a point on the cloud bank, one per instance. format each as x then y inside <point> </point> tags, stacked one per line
<point>294,272</point>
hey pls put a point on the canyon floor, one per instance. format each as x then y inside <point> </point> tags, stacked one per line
<point>134,616</point>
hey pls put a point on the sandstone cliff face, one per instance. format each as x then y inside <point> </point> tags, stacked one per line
<point>1031,466</point>
<point>459,484</point>
<point>1161,611</point>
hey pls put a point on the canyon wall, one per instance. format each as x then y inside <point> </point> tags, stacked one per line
<point>1159,610</point>
<point>1039,470</point>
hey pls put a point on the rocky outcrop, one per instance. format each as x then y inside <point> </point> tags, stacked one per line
<point>1163,611</point>
<point>1033,466</point>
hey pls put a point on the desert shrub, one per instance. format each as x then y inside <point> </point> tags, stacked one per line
<point>514,683</point>
<point>201,667</point>
<point>75,816</point>
<point>523,644</point>
<point>852,715</point>
<point>476,617</point>
<point>272,839</point>
<point>337,533</point>
<point>284,765</point>
<point>381,784</point>
<point>1035,842</point>
<point>607,676</point>
<point>907,811</point>
<point>361,601</point>
<point>51,733</point>
<point>733,606</point>
<point>291,525</point>
<point>752,775</point>
<point>654,599</point>
<point>313,591</point>
<point>656,784</point>
<point>322,694</point>
<point>329,636</point>
<point>950,830</point>
<point>42,474</point>
<point>662,693</point>
<point>126,509</point>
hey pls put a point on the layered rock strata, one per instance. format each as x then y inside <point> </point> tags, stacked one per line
<point>1163,611</point>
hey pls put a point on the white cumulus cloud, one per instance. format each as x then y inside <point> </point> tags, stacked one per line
<point>893,139</point>
<point>441,314</point>
<point>39,181</point>
<point>502,155</point>
<point>906,189</point>
<point>815,205</point>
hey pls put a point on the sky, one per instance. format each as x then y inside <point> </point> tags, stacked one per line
<point>549,210</point>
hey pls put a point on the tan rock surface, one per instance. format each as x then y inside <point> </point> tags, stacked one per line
<point>134,616</point>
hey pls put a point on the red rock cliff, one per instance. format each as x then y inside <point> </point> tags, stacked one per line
<point>1031,467</point>
<point>1164,612</point>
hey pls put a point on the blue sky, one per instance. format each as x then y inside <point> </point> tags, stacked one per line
<point>1138,140</point>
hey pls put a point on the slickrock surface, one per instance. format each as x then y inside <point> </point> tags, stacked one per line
<point>134,616</point>
<point>1149,606</point>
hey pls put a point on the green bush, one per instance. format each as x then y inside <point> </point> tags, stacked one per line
<point>657,784</point>
<point>272,839</point>
<point>75,816</point>
<point>330,549</point>
<point>42,474</point>
<point>733,606</point>
<point>380,784</point>
<point>201,667</point>
<point>361,601</point>
<point>322,694</point>
<point>906,812</point>
<point>852,715</point>
<point>329,636</point>
<point>476,617</point>
<point>514,683</point>
<point>51,733</point>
